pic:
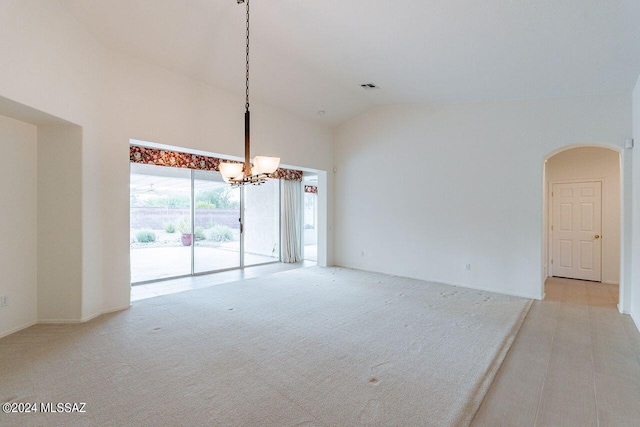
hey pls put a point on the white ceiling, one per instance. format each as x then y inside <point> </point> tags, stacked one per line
<point>312,55</point>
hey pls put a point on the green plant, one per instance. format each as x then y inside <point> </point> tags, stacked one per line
<point>169,227</point>
<point>220,233</point>
<point>180,201</point>
<point>221,198</point>
<point>205,204</point>
<point>199,232</point>
<point>145,236</point>
<point>184,226</point>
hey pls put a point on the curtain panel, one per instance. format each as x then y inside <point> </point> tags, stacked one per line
<point>176,159</point>
<point>291,221</point>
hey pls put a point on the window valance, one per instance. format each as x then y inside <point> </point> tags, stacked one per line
<point>311,189</point>
<point>176,159</point>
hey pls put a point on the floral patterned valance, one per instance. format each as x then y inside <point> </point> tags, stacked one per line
<point>311,189</point>
<point>153,156</point>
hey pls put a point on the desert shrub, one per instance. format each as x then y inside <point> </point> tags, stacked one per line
<point>199,232</point>
<point>220,233</point>
<point>169,227</point>
<point>145,236</point>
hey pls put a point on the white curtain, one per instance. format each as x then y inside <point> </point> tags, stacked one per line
<point>291,221</point>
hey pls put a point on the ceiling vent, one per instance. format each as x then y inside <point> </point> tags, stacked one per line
<point>369,86</point>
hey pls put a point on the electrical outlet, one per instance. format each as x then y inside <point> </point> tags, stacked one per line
<point>4,301</point>
<point>467,267</point>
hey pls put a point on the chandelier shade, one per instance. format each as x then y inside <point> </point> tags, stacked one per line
<point>231,171</point>
<point>266,164</point>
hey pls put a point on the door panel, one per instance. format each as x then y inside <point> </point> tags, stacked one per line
<point>566,253</point>
<point>566,216</point>
<point>586,217</point>
<point>586,255</point>
<point>586,192</point>
<point>576,229</point>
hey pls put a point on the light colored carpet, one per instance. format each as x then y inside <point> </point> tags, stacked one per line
<point>307,347</point>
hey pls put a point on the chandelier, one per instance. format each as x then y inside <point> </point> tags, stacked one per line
<point>239,174</point>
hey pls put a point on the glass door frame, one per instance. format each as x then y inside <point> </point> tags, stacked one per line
<point>241,219</point>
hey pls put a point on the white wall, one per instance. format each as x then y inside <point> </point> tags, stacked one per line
<point>60,286</point>
<point>55,66</point>
<point>635,275</point>
<point>596,164</point>
<point>422,191</point>
<point>18,216</point>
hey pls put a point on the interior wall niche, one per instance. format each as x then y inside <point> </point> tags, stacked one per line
<point>18,215</point>
<point>41,246</point>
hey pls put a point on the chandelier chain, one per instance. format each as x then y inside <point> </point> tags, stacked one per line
<point>247,58</point>
<point>264,167</point>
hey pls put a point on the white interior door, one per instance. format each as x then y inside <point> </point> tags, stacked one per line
<point>577,230</point>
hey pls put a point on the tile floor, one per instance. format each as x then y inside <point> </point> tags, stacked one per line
<point>165,287</point>
<point>575,362</point>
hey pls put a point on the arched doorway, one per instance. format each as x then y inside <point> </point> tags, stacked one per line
<point>582,214</point>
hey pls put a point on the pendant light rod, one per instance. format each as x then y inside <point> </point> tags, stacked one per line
<point>247,143</point>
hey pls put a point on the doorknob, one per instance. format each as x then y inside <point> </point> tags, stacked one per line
<point>597,236</point>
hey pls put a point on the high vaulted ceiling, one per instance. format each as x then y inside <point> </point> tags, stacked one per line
<point>312,55</point>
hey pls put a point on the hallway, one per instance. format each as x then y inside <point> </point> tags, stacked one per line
<point>575,362</point>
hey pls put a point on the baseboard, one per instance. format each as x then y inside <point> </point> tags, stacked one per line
<point>479,288</point>
<point>110,310</point>
<point>611,282</point>
<point>57,321</point>
<point>17,328</point>
<point>84,319</point>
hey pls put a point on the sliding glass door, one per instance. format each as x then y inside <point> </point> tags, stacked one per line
<point>185,222</point>
<point>217,223</point>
